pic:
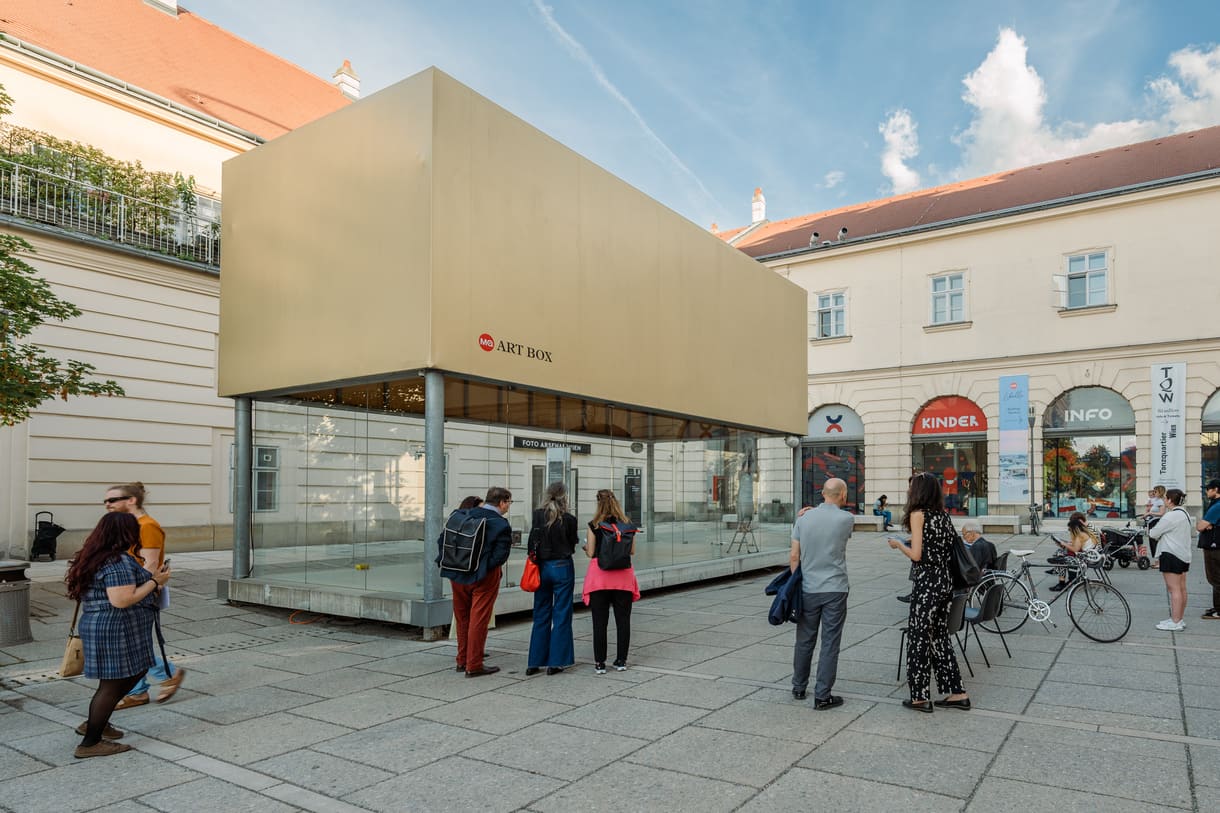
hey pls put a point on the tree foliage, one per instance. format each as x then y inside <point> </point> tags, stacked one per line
<point>30,375</point>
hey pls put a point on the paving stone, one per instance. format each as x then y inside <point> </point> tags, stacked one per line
<point>337,682</point>
<point>575,687</point>
<point>560,751</point>
<point>1002,674</point>
<point>323,773</point>
<point>1203,723</point>
<point>732,666</point>
<point>939,769</point>
<point>456,783</point>
<point>198,611</point>
<point>716,638</point>
<point>125,806</point>
<point>19,724</point>
<point>219,796</point>
<point>14,763</point>
<point>1140,722</point>
<point>211,626</point>
<point>631,717</point>
<point>403,745</point>
<point>231,681</point>
<point>92,783</point>
<point>679,653</point>
<point>629,788</point>
<point>1153,780</point>
<point>802,789</point>
<point>390,647</point>
<point>1123,748</point>
<point>1152,702</point>
<point>743,759</point>
<point>159,722</point>
<point>494,712</point>
<point>1120,659</point>
<point>237,706</point>
<point>959,729</point>
<point>997,795</point>
<point>784,718</point>
<point>451,685</point>
<point>412,664</point>
<point>252,740</point>
<point>685,691</point>
<point>58,692</point>
<point>366,709</point>
<point>315,662</point>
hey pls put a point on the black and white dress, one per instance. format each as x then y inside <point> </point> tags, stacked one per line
<point>931,648</point>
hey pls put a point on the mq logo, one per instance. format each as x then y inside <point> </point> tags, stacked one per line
<point>487,343</point>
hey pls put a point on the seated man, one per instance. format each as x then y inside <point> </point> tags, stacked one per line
<point>983,551</point>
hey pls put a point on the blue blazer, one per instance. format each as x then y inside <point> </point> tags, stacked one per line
<point>787,606</point>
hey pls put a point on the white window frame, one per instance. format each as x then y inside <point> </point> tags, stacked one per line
<point>266,470</point>
<point>825,302</point>
<point>1095,295</point>
<point>947,295</point>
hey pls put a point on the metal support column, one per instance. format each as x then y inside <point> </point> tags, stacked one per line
<point>650,490</point>
<point>434,487</point>
<point>243,475</point>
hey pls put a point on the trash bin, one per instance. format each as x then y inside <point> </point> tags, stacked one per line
<point>14,603</point>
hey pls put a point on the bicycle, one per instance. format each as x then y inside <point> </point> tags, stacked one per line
<point>1095,606</point>
<point>1035,519</point>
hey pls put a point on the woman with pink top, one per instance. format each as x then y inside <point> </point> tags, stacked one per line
<point>605,589</point>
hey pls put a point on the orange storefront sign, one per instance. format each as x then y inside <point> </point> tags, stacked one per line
<point>950,415</point>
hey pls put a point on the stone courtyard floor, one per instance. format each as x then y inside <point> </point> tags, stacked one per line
<point>341,716</point>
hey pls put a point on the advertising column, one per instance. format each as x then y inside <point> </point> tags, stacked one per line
<point>1169,425</point>
<point>1015,465</point>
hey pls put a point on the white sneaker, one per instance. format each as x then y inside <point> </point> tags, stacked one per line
<point>1169,625</point>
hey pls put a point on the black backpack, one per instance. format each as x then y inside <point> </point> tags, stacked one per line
<point>461,543</point>
<point>614,541</point>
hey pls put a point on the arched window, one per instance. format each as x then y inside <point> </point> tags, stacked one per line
<point>1089,454</point>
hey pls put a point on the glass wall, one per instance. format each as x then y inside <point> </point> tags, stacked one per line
<point>1089,455</point>
<point>820,462</point>
<point>961,467</point>
<point>344,505</point>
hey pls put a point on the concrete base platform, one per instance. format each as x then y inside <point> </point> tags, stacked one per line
<point>403,608</point>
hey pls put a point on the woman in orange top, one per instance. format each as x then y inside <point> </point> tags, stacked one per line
<point>129,499</point>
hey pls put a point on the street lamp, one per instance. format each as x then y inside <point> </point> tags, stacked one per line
<point>1034,513</point>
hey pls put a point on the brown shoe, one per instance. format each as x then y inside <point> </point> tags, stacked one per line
<point>170,686</point>
<point>486,670</point>
<point>132,700</point>
<point>111,733</point>
<point>100,749</point>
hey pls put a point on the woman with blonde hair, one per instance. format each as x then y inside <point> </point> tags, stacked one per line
<point>606,589</point>
<point>129,499</point>
<point>552,541</point>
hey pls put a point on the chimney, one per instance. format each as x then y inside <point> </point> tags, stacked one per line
<point>758,208</point>
<point>170,7</point>
<point>347,81</point>
<point>715,228</point>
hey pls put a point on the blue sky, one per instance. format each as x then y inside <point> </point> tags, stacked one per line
<point>821,104</point>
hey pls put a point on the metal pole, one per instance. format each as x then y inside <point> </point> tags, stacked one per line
<point>243,474</point>
<point>1033,502</point>
<point>434,478</point>
<point>650,490</point>
<point>796,479</point>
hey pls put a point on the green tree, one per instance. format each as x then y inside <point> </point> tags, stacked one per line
<point>28,374</point>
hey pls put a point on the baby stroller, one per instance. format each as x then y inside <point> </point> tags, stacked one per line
<point>1123,545</point>
<point>45,534</point>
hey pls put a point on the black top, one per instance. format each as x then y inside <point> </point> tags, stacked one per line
<point>556,541</point>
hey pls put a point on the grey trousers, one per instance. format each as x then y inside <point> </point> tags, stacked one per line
<point>828,611</point>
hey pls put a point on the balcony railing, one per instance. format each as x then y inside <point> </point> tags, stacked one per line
<point>44,197</point>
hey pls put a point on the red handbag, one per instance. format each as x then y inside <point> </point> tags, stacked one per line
<point>531,579</point>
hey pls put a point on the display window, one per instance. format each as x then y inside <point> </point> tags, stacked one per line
<point>949,439</point>
<point>1088,455</point>
<point>1209,440</point>
<point>834,447</point>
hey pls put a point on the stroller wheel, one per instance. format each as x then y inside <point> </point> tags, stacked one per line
<point>1109,565</point>
<point>1124,563</point>
<point>1145,563</point>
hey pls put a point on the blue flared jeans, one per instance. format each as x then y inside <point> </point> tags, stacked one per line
<point>551,639</point>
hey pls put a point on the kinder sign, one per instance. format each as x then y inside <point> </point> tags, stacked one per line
<point>951,415</point>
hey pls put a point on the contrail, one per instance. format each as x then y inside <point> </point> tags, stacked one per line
<point>577,50</point>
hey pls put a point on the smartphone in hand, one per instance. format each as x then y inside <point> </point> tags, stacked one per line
<point>905,539</point>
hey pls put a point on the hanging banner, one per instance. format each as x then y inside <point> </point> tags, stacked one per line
<point>1169,425</point>
<point>1014,440</point>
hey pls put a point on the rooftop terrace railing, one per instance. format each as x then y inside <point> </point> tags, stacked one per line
<point>43,197</point>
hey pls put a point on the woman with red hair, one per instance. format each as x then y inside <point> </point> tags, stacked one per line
<point>117,605</point>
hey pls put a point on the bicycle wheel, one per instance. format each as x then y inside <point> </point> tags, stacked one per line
<point>1014,609</point>
<point>1035,523</point>
<point>1099,611</point>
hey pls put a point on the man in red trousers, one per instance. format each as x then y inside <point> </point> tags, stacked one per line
<point>474,592</point>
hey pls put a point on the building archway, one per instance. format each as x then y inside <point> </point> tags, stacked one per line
<point>949,439</point>
<point>1088,453</point>
<point>834,447</point>
<point>1209,440</point>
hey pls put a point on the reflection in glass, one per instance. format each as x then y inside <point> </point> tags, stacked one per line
<point>820,463</point>
<point>1093,474</point>
<point>962,470</point>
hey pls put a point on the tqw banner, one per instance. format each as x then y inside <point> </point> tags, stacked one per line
<point>1015,465</point>
<point>1169,425</point>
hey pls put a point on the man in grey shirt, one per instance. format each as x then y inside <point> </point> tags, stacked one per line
<point>819,546</point>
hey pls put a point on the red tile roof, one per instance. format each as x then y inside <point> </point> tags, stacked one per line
<point>185,59</point>
<point>1146,162</point>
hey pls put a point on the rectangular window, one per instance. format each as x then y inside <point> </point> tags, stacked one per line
<point>265,480</point>
<point>831,315</point>
<point>1086,280</point>
<point>949,298</point>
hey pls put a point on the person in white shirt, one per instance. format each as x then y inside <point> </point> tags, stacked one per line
<point>1173,551</point>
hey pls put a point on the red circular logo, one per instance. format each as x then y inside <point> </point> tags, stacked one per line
<point>487,342</point>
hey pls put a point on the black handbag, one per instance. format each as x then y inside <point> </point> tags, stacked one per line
<point>965,571</point>
<point>1210,539</point>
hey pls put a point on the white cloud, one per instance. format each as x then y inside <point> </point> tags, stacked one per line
<point>581,54</point>
<point>1009,128</point>
<point>901,145</point>
<point>833,178</point>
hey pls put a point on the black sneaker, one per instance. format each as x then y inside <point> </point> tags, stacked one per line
<point>620,666</point>
<point>599,668</point>
<point>828,703</point>
<point>799,695</point>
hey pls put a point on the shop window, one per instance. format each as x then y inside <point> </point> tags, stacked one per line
<point>1089,455</point>
<point>1085,285</point>
<point>949,298</point>
<point>821,462</point>
<point>831,317</point>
